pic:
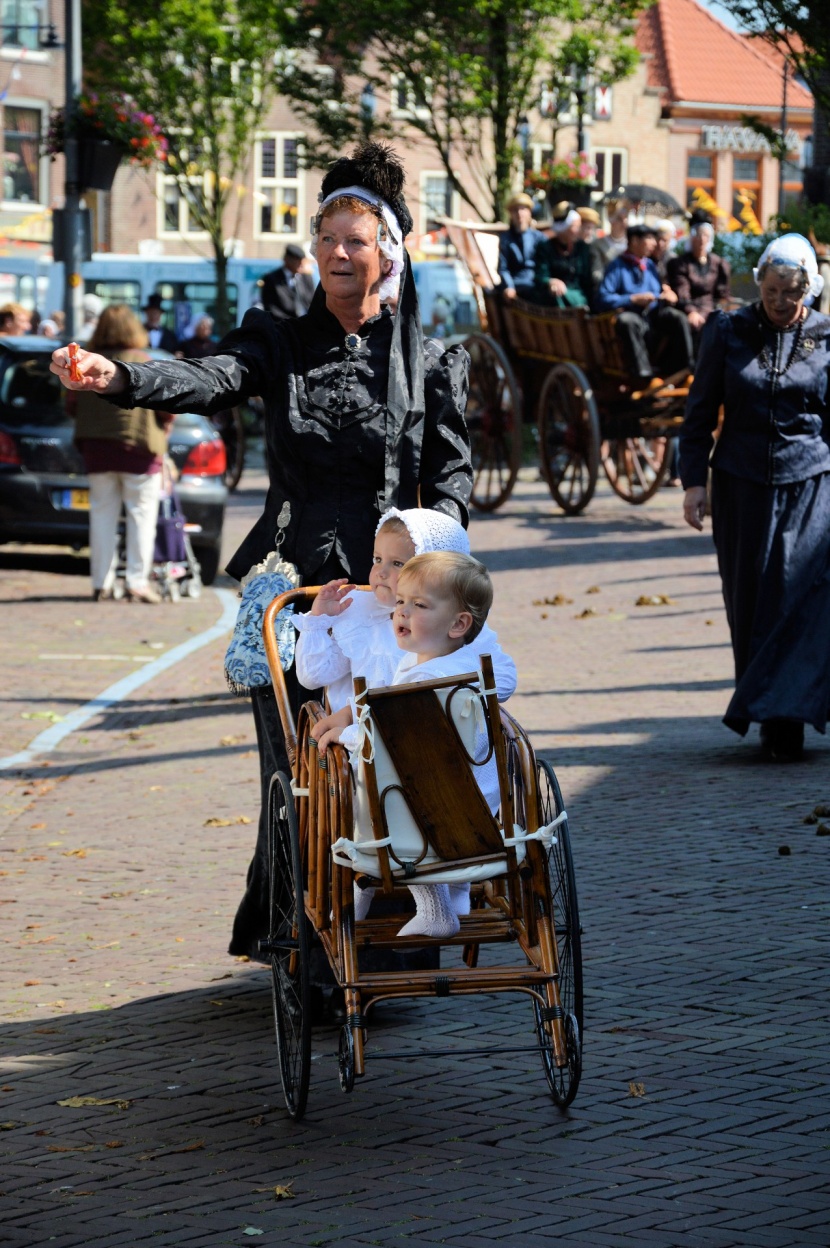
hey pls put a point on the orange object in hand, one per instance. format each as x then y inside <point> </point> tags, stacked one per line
<point>74,371</point>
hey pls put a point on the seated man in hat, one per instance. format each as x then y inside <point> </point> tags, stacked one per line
<point>288,291</point>
<point>568,270</point>
<point>159,337</point>
<point>517,250</point>
<point>650,328</point>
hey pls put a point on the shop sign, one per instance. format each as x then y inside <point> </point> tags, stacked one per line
<point>742,139</point>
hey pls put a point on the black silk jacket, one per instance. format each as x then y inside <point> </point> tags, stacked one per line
<point>331,449</point>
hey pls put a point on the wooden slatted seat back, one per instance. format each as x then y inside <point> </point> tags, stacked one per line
<point>417,785</point>
<point>604,344</point>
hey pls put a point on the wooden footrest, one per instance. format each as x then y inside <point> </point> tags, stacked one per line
<point>479,927</point>
<point>444,983</point>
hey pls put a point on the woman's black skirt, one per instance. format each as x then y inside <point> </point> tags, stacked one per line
<point>773,544</point>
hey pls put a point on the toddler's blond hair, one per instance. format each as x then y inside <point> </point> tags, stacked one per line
<point>452,575</point>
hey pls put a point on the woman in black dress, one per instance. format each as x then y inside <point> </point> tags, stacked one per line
<point>361,415</point>
<point>767,364</point>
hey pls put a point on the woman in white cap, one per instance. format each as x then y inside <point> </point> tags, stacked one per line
<point>699,278</point>
<point>568,270</point>
<point>767,364</point>
<point>361,414</point>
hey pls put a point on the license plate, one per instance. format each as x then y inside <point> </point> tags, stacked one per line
<point>71,500</point>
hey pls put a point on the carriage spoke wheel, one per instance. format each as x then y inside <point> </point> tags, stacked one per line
<point>345,1058</point>
<point>287,946</point>
<point>563,1081</point>
<point>636,467</point>
<point>563,894</point>
<point>494,419</point>
<point>568,422</point>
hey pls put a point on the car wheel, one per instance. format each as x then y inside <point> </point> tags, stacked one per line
<point>208,557</point>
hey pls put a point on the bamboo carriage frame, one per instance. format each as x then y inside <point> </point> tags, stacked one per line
<point>516,907</point>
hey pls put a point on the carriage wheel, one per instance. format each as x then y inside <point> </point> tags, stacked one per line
<point>494,419</point>
<point>345,1058</point>
<point>287,946</point>
<point>563,1081</point>
<point>636,467</point>
<point>568,422</point>
<point>563,894</point>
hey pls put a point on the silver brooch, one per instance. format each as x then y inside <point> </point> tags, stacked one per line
<point>352,342</point>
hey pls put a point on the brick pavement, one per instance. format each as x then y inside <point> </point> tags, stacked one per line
<point>705,955</point>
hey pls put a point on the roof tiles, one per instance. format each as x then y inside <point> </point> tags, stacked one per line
<point>695,58</point>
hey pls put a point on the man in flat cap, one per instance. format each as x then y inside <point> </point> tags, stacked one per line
<point>288,291</point>
<point>517,250</point>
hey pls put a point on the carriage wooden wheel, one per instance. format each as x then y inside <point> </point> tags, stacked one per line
<point>636,467</point>
<point>569,437</point>
<point>494,419</point>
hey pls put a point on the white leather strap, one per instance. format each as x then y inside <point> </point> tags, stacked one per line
<point>545,834</point>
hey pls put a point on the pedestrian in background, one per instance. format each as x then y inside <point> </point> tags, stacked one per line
<point>287,292</point>
<point>14,320</point>
<point>699,278</point>
<point>123,453</point>
<point>200,343</point>
<point>767,364</point>
<point>159,337</point>
<point>92,306</point>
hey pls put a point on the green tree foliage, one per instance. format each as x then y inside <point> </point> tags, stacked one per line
<point>206,71</point>
<point>468,72</point>
<point>801,28</point>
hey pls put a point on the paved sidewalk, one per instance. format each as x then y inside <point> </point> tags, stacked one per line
<point>703,1118</point>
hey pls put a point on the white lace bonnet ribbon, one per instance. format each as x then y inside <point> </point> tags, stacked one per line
<point>391,246</point>
<point>365,732</point>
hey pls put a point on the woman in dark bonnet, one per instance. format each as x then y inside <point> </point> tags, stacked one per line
<point>767,364</point>
<point>361,415</point>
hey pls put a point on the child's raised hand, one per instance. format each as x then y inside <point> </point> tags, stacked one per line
<point>332,598</point>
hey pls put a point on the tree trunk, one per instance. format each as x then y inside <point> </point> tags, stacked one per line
<point>502,146</point>
<point>223,315</point>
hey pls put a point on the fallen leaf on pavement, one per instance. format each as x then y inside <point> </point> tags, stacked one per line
<point>30,983</point>
<point>9,1126</point>
<point>70,1148</point>
<point>167,1152</point>
<point>74,853</point>
<point>52,716</point>
<point>822,811</point>
<point>558,600</point>
<point>225,823</point>
<point>586,614</point>
<point>593,589</point>
<point>823,830</point>
<point>232,740</point>
<point>654,600</point>
<point>636,1089</point>
<point>78,1102</point>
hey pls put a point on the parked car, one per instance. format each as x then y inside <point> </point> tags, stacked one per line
<point>44,491</point>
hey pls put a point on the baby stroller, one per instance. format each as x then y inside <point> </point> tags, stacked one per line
<point>176,572</point>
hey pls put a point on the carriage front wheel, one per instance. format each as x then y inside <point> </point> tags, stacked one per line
<point>636,467</point>
<point>568,422</point>
<point>494,419</point>
<point>288,947</point>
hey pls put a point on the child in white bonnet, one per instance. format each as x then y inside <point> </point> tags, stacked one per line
<point>348,631</point>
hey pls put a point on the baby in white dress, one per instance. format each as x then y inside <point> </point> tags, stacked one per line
<point>441,606</point>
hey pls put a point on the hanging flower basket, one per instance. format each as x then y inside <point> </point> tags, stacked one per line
<point>110,129</point>
<point>98,163</point>
<point>572,179</point>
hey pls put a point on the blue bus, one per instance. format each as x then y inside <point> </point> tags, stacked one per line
<point>187,287</point>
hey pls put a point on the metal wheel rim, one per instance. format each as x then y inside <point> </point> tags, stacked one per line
<point>345,1059</point>
<point>564,903</point>
<point>568,424</point>
<point>289,966</point>
<point>634,469</point>
<point>494,420</point>
<point>563,1081</point>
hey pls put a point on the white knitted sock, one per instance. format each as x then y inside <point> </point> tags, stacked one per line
<point>435,916</point>
<point>362,901</point>
<point>460,898</point>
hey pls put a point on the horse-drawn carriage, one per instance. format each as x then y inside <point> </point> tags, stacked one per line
<point>411,812</point>
<point>565,370</point>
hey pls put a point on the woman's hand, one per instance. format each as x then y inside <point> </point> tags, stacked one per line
<point>97,374</point>
<point>696,319</point>
<point>332,600</point>
<point>329,728</point>
<point>557,286</point>
<point>694,506</point>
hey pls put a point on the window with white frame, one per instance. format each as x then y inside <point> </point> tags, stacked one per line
<point>175,212</point>
<point>612,166</point>
<point>20,23</point>
<point>435,200</point>
<point>405,102</point>
<point>277,188</point>
<point>22,175</point>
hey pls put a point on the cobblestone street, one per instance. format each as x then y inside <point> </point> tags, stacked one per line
<point>703,1117</point>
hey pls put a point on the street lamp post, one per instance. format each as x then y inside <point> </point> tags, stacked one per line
<point>72,249</point>
<point>782,161</point>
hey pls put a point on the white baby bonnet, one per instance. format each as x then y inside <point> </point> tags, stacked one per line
<point>429,530</point>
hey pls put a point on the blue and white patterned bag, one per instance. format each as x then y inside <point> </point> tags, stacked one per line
<point>246,666</point>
